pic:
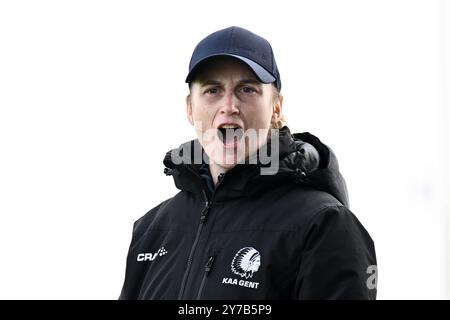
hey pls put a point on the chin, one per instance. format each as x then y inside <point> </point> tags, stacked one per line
<point>226,162</point>
<point>226,166</point>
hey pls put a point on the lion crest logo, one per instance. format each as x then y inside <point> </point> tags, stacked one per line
<point>246,262</point>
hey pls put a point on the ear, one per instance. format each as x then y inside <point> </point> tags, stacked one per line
<point>277,114</point>
<point>189,109</point>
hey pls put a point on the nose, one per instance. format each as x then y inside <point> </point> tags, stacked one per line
<point>229,104</point>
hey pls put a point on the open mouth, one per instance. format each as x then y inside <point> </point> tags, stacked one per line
<point>230,134</point>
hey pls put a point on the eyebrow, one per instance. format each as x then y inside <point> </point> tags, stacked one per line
<point>249,81</point>
<point>242,81</point>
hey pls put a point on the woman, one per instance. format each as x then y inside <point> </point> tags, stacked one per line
<point>262,213</point>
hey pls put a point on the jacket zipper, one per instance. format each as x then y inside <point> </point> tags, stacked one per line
<point>203,217</point>
<point>208,268</point>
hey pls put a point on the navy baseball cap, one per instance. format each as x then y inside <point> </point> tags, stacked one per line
<point>241,44</point>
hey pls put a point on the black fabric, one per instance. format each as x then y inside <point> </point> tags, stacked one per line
<point>285,236</point>
<point>205,174</point>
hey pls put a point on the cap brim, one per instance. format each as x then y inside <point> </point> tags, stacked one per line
<point>262,74</point>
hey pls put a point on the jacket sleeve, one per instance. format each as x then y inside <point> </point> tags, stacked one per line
<point>338,259</point>
<point>133,272</point>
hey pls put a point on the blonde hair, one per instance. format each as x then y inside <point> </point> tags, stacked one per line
<point>280,123</point>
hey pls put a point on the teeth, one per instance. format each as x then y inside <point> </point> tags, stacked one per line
<point>229,126</point>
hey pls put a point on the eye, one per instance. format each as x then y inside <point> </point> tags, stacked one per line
<point>212,91</point>
<point>248,90</point>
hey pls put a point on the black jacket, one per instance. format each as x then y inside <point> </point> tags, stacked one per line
<point>284,236</point>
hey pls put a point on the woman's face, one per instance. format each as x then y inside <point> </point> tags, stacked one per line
<point>226,102</point>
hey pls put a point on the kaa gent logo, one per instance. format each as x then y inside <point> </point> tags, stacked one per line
<point>245,263</point>
<point>151,256</point>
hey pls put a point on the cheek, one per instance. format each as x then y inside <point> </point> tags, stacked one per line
<point>259,118</point>
<point>203,120</point>
<point>202,112</point>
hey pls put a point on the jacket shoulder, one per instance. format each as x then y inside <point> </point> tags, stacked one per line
<point>165,215</point>
<point>143,223</point>
<point>315,200</point>
<point>308,202</point>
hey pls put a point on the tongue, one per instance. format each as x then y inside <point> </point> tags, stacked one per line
<point>231,136</point>
<point>228,137</point>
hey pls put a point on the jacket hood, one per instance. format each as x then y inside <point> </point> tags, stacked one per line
<point>303,159</point>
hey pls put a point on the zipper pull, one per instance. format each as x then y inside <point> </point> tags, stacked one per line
<point>209,264</point>
<point>204,212</point>
<point>208,268</point>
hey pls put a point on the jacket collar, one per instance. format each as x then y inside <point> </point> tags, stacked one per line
<point>303,159</point>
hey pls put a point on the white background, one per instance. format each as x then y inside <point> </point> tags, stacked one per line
<point>92,96</point>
